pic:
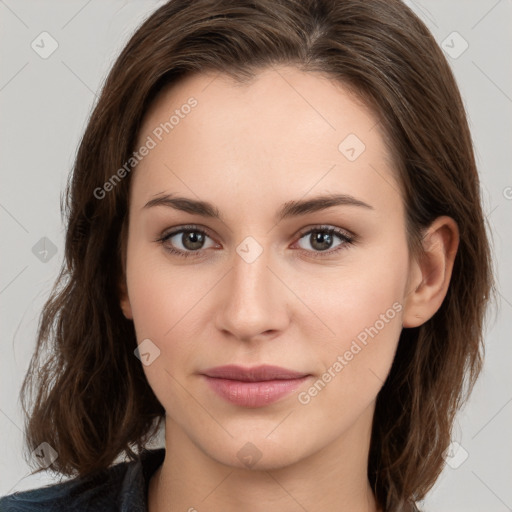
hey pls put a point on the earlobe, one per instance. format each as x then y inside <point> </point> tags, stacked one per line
<point>124,301</point>
<point>430,277</point>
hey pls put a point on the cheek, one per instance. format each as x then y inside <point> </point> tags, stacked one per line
<point>165,304</point>
<point>354,296</point>
<point>159,309</point>
<point>159,295</point>
<point>362,307</point>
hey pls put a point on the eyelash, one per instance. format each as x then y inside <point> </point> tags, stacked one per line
<point>345,237</point>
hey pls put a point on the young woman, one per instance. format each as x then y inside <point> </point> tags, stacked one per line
<point>276,251</point>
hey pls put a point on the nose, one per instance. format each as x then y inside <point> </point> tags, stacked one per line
<point>253,301</point>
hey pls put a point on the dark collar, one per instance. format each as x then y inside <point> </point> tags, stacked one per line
<point>134,487</point>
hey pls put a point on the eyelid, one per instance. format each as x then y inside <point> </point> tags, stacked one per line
<point>326,227</point>
<point>186,227</point>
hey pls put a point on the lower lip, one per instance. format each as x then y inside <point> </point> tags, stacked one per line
<point>253,394</point>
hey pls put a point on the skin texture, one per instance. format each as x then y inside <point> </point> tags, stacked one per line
<point>248,149</point>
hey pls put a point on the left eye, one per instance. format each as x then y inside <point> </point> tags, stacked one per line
<point>322,239</point>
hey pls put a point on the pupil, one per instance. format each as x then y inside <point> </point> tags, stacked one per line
<point>192,240</point>
<point>322,239</point>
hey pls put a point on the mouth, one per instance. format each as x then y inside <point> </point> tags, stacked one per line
<point>253,387</point>
<point>261,373</point>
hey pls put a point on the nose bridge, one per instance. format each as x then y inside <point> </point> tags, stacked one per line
<point>254,300</point>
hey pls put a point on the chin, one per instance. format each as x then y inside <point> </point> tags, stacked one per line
<point>257,452</point>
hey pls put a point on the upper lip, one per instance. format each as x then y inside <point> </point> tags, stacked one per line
<point>254,374</point>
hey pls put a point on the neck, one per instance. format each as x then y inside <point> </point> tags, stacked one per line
<point>334,478</point>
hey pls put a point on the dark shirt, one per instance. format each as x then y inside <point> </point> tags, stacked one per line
<point>122,487</point>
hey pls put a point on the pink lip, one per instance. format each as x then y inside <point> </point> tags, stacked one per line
<point>253,387</point>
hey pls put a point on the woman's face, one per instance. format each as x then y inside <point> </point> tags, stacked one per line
<point>258,285</point>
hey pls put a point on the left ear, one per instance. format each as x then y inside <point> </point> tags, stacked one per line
<point>122,288</point>
<point>430,277</point>
<point>124,301</point>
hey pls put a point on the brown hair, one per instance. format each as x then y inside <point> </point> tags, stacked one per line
<point>92,400</point>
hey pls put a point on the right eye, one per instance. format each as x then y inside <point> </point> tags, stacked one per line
<point>191,239</point>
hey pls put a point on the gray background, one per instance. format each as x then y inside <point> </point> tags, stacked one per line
<point>45,104</point>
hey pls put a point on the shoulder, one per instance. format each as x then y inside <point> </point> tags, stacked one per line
<point>96,492</point>
<point>105,491</point>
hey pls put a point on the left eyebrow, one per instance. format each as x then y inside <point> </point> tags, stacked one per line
<point>289,209</point>
<point>318,203</point>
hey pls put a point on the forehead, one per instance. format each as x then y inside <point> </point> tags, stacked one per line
<point>283,133</point>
